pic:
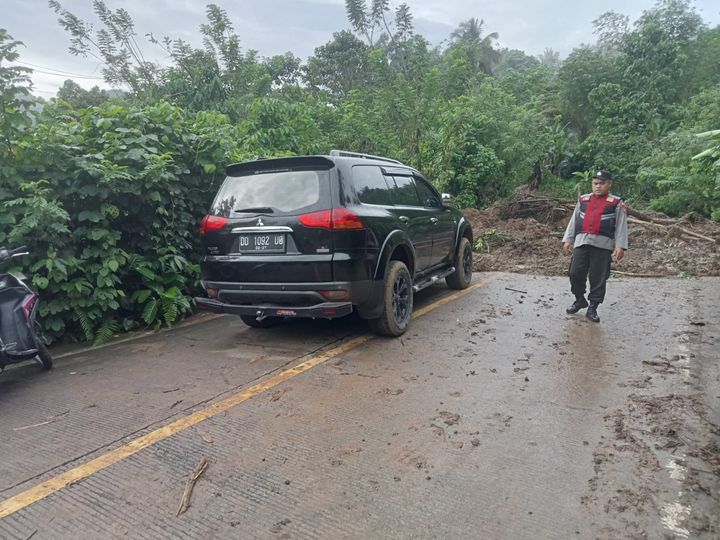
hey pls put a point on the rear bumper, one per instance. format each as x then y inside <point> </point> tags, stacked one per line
<point>315,299</point>
<point>325,310</point>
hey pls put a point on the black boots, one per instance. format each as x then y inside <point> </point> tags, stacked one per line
<point>578,304</point>
<point>581,303</point>
<point>591,313</point>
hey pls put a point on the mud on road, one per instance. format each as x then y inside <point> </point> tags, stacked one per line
<point>512,241</point>
<point>495,416</point>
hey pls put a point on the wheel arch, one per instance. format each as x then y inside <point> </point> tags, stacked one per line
<point>464,230</point>
<point>397,247</point>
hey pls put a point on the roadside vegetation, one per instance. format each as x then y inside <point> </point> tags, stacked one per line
<point>108,188</point>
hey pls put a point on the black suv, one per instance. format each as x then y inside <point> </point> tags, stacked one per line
<point>319,236</point>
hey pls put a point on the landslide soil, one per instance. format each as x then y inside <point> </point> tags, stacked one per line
<point>513,241</point>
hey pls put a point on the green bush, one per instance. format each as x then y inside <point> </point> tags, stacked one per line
<point>109,199</point>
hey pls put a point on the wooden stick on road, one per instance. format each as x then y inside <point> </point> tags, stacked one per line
<point>632,274</point>
<point>190,484</point>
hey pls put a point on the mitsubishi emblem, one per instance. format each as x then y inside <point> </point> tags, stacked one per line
<point>260,223</point>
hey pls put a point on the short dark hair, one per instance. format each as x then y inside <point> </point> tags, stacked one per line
<point>602,175</point>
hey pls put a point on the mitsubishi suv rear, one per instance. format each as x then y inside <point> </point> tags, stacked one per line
<point>321,236</point>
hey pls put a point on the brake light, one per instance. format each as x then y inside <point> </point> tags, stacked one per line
<point>339,219</point>
<point>343,219</point>
<point>28,305</point>
<point>211,224</point>
<point>322,219</point>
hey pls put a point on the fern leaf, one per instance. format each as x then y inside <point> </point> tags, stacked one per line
<point>85,324</point>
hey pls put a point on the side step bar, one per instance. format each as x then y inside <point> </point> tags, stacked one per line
<point>433,279</point>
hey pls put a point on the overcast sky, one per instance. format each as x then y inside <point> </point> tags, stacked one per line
<point>277,26</point>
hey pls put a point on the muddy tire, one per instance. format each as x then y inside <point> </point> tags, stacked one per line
<point>267,322</point>
<point>397,302</point>
<point>43,355</point>
<point>461,278</point>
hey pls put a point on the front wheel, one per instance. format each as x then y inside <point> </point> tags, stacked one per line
<point>462,276</point>
<point>397,302</point>
<point>43,355</point>
<point>267,322</point>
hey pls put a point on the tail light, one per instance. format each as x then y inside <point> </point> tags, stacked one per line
<point>212,223</point>
<point>339,294</point>
<point>338,219</point>
<point>28,305</point>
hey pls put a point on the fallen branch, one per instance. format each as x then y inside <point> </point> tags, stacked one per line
<point>696,235</point>
<point>515,290</point>
<point>51,420</point>
<point>637,221</point>
<point>646,217</point>
<point>190,484</point>
<point>672,226</point>
<point>632,274</point>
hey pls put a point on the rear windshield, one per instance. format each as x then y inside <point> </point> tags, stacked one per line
<point>284,192</point>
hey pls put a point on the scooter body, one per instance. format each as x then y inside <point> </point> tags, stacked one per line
<point>20,337</point>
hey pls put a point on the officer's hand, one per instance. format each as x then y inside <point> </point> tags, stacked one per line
<point>567,247</point>
<point>618,253</point>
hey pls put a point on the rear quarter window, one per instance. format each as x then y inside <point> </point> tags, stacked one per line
<point>285,192</point>
<point>370,185</point>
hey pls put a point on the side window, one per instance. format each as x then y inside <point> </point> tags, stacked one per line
<point>428,196</point>
<point>405,192</point>
<point>370,185</point>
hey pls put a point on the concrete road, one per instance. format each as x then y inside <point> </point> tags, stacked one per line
<point>495,416</point>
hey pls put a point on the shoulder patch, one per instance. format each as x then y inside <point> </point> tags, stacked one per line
<point>585,198</point>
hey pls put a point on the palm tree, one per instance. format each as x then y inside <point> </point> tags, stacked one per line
<point>469,34</point>
<point>550,58</point>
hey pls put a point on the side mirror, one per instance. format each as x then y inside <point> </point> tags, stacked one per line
<point>447,199</point>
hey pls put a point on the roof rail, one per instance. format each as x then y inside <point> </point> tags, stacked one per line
<point>345,153</point>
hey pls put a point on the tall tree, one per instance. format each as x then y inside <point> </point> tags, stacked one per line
<point>611,29</point>
<point>339,66</point>
<point>372,24</point>
<point>15,100</point>
<point>479,50</point>
<point>115,45</point>
<point>79,98</point>
<point>550,59</point>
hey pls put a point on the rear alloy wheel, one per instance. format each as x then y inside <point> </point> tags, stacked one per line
<point>397,302</point>
<point>462,276</point>
<point>267,322</point>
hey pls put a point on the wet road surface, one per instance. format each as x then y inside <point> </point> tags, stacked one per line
<point>495,416</point>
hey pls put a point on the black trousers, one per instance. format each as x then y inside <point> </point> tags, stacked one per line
<point>594,262</point>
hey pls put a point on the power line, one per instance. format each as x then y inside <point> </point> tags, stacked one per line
<point>57,72</point>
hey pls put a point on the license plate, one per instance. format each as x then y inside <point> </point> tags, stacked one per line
<point>261,243</point>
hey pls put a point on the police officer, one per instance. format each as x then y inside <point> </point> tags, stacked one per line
<point>597,231</point>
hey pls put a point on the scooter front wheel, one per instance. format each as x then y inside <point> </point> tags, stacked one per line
<point>43,355</point>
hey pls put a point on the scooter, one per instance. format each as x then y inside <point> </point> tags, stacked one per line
<point>20,335</point>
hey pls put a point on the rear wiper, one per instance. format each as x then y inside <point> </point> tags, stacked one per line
<point>257,210</point>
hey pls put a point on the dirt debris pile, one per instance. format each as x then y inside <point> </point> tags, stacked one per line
<point>524,234</point>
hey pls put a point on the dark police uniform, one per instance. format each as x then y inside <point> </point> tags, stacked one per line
<point>598,225</point>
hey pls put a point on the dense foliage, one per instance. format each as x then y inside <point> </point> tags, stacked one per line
<point>107,188</point>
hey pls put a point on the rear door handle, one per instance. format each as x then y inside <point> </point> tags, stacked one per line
<point>404,219</point>
<point>434,220</point>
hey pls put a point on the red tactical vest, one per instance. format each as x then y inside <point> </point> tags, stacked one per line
<point>596,215</point>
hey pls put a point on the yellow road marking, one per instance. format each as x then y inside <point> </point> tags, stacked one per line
<point>26,498</point>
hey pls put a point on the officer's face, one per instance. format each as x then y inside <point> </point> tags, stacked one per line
<point>600,187</point>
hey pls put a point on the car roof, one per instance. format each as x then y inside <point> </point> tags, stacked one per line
<point>322,162</point>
